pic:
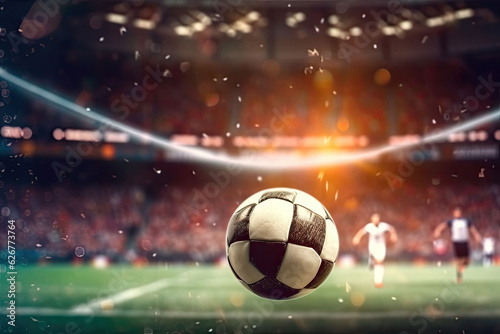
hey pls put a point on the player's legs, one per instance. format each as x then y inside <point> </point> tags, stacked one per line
<point>462,258</point>
<point>487,259</point>
<point>378,254</point>
<point>461,263</point>
<point>378,273</point>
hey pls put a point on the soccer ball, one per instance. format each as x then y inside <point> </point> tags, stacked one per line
<point>281,243</point>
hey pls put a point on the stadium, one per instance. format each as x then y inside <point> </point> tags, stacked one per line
<point>132,130</point>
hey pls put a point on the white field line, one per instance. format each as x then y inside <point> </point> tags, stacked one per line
<point>284,315</point>
<point>126,295</point>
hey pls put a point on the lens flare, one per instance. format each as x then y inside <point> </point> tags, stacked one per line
<point>207,156</point>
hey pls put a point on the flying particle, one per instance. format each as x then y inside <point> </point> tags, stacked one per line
<point>167,74</point>
<point>312,53</point>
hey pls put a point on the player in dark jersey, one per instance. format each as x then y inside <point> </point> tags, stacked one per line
<point>461,229</point>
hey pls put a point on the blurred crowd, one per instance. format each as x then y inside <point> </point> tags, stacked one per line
<point>176,223</point>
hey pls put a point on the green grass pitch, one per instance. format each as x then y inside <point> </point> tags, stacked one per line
<point>206,299</point>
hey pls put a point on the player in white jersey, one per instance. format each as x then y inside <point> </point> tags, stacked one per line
<point>461,229</point>
<point>488,250</point>
<point>376,244</point>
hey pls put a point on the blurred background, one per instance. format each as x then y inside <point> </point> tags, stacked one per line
<point>266,83</point>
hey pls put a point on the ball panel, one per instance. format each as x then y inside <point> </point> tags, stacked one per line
<point>307,201</point>
<point>271,220</point>
<point>237,230</point>
<point>324,270</point>
<point>254,199</point>
<point>239,260</point>
<point>307,229</point>
<point>284,194</point>
<point>299,266</point>
<point>267,256</point>
<point>232,269</point>
<point>246,286</point>
<point>301,293</point>
<point>331,245</point>
<point>272,288</point>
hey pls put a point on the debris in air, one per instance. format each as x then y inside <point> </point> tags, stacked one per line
<point>312,53</point>
<point>167,74</point>
<point>481,173</point>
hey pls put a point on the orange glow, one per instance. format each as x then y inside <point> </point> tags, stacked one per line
<point>323,80</point>
<point>357,299</point>
<point>271,67</point>
<point>108,152</point>
<point>343,124</point>
<point>382,77</point>
<point>212,99</point>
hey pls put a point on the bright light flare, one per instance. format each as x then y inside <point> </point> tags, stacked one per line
<point>215,157</point>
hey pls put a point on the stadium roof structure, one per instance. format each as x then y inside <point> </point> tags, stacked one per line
<point>440,29</point>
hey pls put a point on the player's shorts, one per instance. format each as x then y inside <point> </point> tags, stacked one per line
<point>377,251</point>
<point>461,249</point>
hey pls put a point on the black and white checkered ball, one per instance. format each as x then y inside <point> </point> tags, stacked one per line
<point>281,243</point>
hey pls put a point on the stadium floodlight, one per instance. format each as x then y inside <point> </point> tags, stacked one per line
<point>406,25</point>
<point>145,24</point>
<point>464,13</point>
<point>116,18</point>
